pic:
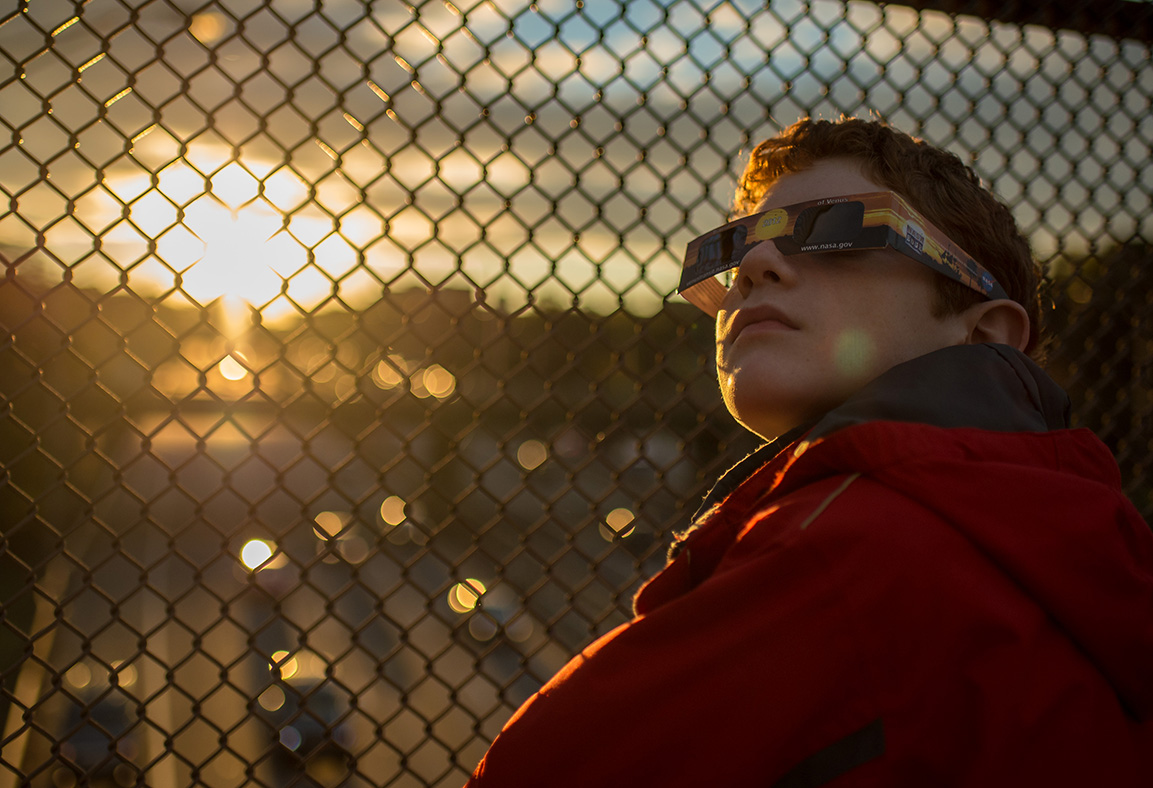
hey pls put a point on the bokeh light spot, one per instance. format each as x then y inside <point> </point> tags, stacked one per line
<point>287,665</point>
<point>290,737</point>
<point>256,552</point>
<point>272,698</point>
<point>232,369</point>
<point>618,524</point>
<point>329,524</point>
<point>392,510</point>
<point>79,675</point>
<point>482,627</point>
<point>390,373</point>
<point>531,454</point>
<point>439,382</point>
<point>463,597</point>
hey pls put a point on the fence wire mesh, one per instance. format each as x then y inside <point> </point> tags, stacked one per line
<point>344,396</point>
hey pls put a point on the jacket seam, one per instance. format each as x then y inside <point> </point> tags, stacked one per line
<point>829,499</point>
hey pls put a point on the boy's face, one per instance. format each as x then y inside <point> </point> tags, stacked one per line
<point>798,335</point>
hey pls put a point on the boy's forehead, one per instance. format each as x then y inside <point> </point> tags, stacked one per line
<point>825,178</point>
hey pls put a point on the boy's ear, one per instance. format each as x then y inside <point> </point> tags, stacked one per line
<point>1001,321</point>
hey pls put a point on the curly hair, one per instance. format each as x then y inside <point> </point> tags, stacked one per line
<point>935,182</point>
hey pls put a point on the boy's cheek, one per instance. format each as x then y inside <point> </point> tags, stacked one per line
<point>721,328</point>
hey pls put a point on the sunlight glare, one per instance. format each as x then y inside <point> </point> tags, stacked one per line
<point>180,183</point>
<point>235,256</point>
<point>234,185</point>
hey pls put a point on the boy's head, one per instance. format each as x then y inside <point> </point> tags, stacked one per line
<point>798,334</point>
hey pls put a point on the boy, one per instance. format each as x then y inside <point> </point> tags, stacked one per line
<point>925,577</point>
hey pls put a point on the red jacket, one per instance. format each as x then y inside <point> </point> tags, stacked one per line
<point>887,604</point>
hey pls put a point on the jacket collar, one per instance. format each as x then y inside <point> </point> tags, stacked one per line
<point>991,387</point>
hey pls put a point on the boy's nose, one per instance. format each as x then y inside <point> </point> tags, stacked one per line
<point>763,265</point>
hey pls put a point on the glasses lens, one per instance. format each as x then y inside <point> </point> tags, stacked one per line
<point>829,224</point>
<point>726,246</point>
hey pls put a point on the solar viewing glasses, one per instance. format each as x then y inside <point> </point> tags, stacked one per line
<point>875,220</point>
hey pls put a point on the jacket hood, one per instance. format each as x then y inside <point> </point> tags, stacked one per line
<point>1044,504</point>
<point>990,387</point>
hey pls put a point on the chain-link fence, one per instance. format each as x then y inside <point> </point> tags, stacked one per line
<point>344,394</point>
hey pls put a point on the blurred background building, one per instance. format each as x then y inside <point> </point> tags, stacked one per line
<point>344,391</point>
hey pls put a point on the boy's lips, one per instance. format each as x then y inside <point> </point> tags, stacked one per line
<point>765,315</point>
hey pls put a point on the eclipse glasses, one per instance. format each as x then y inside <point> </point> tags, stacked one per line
<point>858,221</point>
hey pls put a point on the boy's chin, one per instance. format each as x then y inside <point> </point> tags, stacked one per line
<point>754,412</point>
<point>767,426</point>
<point>770,405</point>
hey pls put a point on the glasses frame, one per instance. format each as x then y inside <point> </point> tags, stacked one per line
<point>875,220</point>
